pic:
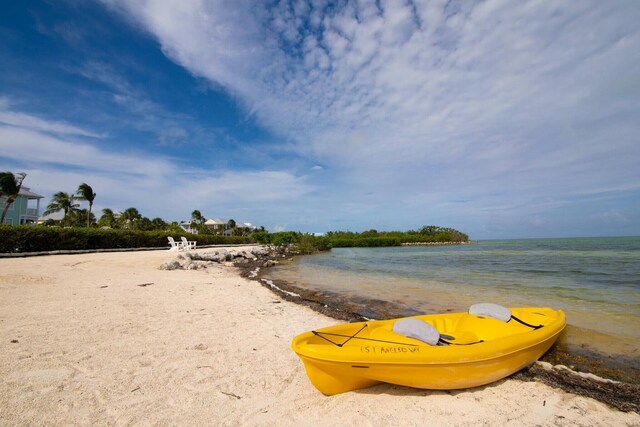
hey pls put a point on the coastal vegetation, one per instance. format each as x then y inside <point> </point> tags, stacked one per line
<point>80,230</point>
<point>65,202</point>
<point>132,233</point>
<point>431,234</point>
<point>308,243</point>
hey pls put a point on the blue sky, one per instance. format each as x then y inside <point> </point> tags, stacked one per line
<point>501,119</point>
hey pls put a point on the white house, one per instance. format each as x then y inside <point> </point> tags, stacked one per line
<point>217,224</point>
<point>186,226</point>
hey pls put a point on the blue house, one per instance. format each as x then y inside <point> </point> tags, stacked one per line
<point>22,210</point>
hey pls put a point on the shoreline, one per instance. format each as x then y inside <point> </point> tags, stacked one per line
<point>113,339</point>
<point>468,242</point>
<point>621,374</point>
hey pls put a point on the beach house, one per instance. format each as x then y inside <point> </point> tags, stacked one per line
<point>22,210</point>
<point>186,226</point>
<point>216,224</point>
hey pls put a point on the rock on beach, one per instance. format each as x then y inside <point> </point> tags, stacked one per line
<point>198,260</point>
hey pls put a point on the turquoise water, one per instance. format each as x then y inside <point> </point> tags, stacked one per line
<point>596,281</point>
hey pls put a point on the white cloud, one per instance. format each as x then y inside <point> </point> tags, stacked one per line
<point>26,121</point>
<point>456,77</point>
<point>31,145</point>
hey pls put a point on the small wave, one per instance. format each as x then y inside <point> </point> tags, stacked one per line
<point>274,286</point>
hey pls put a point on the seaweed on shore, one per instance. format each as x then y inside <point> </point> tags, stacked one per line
<point>622,396</point>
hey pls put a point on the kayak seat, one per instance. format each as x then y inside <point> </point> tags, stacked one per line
<point>491,310</point>
<point>499,312</point>
<point>417,329</point>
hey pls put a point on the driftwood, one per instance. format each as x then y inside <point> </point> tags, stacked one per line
<point>231,394</point>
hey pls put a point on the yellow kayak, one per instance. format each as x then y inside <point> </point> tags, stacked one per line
<point>440,351</point>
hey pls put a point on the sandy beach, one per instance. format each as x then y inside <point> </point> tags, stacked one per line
<point>110,339</point>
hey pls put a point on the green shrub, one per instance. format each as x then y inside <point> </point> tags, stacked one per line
<point>284,238</point>
<point>40,239</point>
<point>262,237</point>
<point>308,244</point>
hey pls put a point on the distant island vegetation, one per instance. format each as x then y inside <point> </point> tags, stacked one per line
<point>307,243</point>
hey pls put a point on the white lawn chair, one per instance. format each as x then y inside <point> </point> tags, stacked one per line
<point>175,246</point>
<point>188,244</point>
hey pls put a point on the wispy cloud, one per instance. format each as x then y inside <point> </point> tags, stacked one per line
<point>26,121</point>
<point>132,107</point>
<point>483,86</point>
<point>613,216</point>
<point>172,136</point>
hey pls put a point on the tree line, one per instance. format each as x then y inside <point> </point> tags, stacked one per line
<point>131,219</point>
<point>74,215</point>
<point>426,234</point>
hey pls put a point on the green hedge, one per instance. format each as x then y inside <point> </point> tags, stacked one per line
<point>39,239</point>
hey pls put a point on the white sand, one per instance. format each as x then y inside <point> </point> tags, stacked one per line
<point>205,348</point>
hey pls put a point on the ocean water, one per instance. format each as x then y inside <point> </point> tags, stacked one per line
<point>596,281</point>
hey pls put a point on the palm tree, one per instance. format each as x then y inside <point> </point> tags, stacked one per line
<point>85,192</point>
<point>231,225</point>
<point>10,187</point>
<point>196,217</point>
<point>196,221</point>
<point>129,217</point>
<point>62,201</point>
<point>78,218</point>
<point>158,223</point>
<point>108,218</point>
